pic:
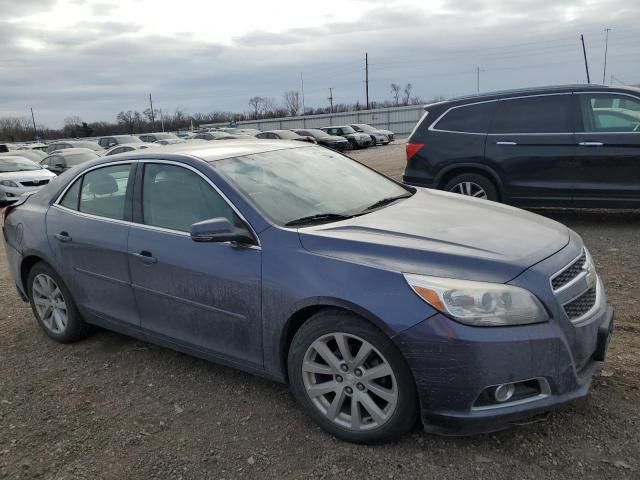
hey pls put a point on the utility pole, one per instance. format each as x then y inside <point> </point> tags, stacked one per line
<point>153,117</point>
<point>33,119</point>
<point>478,70</point>
<point>302,87</point>
<point>366,77</point>
<point>584,52</point>
<point>606,47</point>
<point>330,99</point>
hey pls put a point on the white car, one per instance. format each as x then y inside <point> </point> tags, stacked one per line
<point>19,176</point>
<point>382,137</point>
<point>126,147</point>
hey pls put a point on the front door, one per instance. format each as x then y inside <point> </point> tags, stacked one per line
<point>531,142</point>
<point>87,231</point>
<point>202,295</point>
<point>608,150</point>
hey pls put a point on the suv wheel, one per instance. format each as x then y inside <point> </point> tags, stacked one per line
<point>472,185</point>
<point>351,379</point>
<point>53,307</point>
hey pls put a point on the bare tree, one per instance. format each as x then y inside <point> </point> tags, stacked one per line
<point>72,120</point>
<point>127,119</point>
<point>407,93</point>
<point>268,106</point>
<point>395,93</point>
<point>256,105</point>
<point>292,102</point>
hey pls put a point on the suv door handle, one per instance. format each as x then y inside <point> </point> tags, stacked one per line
<point>591,144</point>
<point>506,143</point>
<point>63,237</point>
<point>145,257</point>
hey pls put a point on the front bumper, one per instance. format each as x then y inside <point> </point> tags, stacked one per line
<point>453,364</point>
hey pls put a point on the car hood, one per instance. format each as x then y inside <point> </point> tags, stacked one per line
<point>333,138</point>
<point>442,234</point>
<point>27,175</point>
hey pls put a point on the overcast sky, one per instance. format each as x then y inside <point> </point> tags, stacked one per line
<point>96,58</point>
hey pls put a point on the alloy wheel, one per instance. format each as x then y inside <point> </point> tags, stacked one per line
<point>349,381</point>
<point>470,189</point>
<point>50,303</point>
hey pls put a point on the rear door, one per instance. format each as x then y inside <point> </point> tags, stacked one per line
<point>531,141</point>
<point>87,229</point>
<point>607,150</point>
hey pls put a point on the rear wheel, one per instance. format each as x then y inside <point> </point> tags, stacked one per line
<point>53,307</point>
<point>472,185</point>
<point>351,379</point>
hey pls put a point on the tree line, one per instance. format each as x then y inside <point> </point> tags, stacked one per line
<point>20,129</point>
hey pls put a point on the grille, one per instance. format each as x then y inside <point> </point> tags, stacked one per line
<point>581,305</point>
<point>34,183</point>
<point>571,272</point>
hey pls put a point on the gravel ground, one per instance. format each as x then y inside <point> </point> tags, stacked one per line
<point>113,407</point>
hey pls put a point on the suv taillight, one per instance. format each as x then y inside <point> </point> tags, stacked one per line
<point>412,149</point>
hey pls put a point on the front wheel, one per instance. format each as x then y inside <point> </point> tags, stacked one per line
<point>472,185</point>
<point>351,379</point>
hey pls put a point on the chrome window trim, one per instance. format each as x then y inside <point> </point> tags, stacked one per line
<point>607,93</point>
<point>142,225</point>
<point>433,129</point>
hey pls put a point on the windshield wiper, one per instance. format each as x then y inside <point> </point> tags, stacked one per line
<point>386,201</point>
<point>317,218</point>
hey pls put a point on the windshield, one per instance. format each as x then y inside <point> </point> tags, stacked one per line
<point>17,165</point>
<point>127,139</point>
<point>314,133</point>
<point>287,185</point>
<point>165,136</point>
<point>347,129</point>
<point>90,145</point>
<point>363,127</point>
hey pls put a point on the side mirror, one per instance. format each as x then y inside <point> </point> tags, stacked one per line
<point>219,230</point>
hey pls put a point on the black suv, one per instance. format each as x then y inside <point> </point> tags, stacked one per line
<point>570,146</point>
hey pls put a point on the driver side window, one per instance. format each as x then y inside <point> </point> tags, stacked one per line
<point>175,198</point>
<point>610,113</point>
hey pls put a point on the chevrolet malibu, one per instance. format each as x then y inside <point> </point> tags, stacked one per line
<point>380,304</point>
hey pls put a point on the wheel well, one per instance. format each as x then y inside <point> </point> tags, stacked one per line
<point>25,268</point>
<point>454,172</point>
<point>293,325</point>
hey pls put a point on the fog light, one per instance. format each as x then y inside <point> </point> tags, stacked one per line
<point>504,392</point>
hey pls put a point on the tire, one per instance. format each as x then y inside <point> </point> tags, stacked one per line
<point>354,144</point>
<point>478,186</point>
<point>42,283</point>
<point>389,416</point>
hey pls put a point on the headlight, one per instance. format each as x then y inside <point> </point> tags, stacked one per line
<point>9,183</point>
<point>479,303</point>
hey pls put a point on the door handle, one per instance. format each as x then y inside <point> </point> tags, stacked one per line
<point>591,144</point>
<point>506,143</point>
<point>63,237</point>
<point>145,257</point>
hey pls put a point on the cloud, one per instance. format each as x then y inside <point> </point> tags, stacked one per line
<point>109,62</point>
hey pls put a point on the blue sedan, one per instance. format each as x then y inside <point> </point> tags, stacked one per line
<point>380,304</point>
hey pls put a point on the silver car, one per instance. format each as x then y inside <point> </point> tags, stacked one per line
<point>18,176</point>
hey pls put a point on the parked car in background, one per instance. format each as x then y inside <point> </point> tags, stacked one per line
<point>126,147</point>
<point>216,135</point>
<point>154,137</point>
<point>18,176</point>
<point>284,135</point>
<point>108,142</point>
<point>380,136</point>
<point>555,146</point>
<point>334,142</point>
<point>63,160</point>
<point>64,144</point>
<point>356,139</point>
<point>169,141</point>
<point>241,131</point>
<point>7,147</point>
<point>379,303</point>
<point>40,147</point>
<point>33,155</point>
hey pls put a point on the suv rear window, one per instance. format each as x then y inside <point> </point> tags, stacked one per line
<point>538,114</point>
<point>467,118</point>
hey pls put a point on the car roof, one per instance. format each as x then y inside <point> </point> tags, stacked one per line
<point>536,90</point>
<point>207,151</point>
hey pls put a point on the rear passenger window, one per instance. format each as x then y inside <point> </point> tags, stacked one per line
<point>610,113</point>
<point>468,118</point>
<point>175,198</point>
<point>104,191</point>
<point>71,198</point>
<point>541,114</point>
